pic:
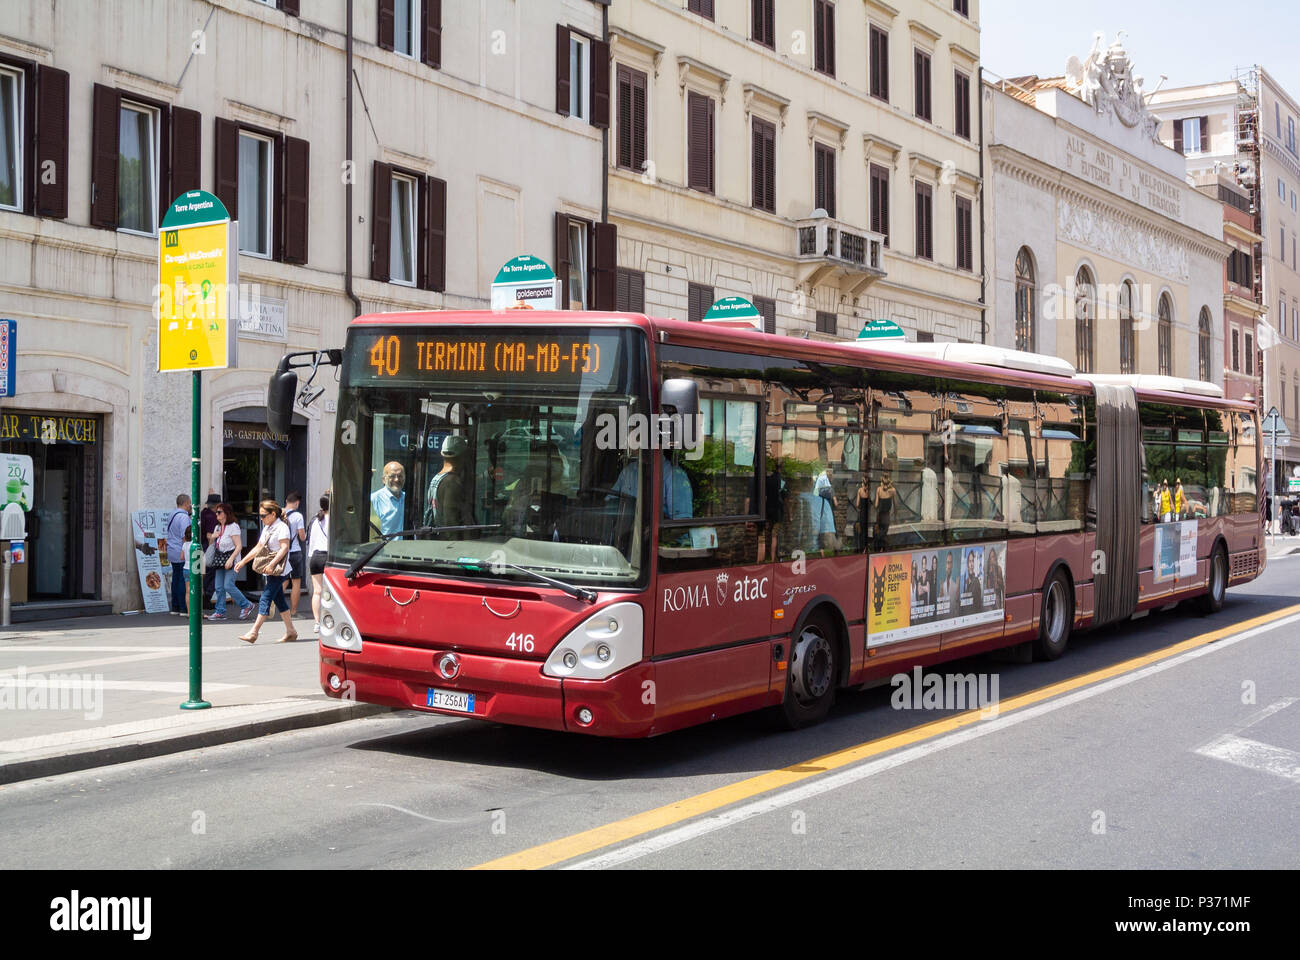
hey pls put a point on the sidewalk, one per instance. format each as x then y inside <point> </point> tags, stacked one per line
<point>1281,546</point>
<point>82,693</point>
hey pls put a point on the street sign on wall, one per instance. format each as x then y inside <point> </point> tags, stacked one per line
<point>881,329</point>
<point>198,273</point>
<point>526,283</point>
<point>8,356</point>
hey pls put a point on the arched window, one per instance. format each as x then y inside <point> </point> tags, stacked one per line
<point>1085,309</point>
<point>1164,342</point>
<point>1127,340</point>
<point>1203,344</point>
<point>1025,297</point>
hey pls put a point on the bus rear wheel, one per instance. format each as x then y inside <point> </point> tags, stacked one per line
<point>811,674</point>
<point>1055,619</point>
<point>1212,600</point>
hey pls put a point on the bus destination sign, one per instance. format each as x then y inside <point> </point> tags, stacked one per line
<point>497,356</point>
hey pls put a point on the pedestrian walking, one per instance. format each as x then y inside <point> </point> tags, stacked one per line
<point>179,526</point>
<point>270,558</point>
<point>227,544</point>
<point>318,542</point>
<point>208,527</point>
<point>297,538</point>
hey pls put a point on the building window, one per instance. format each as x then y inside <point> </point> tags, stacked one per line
<point>699,297</point>
<point>767,308</point>
<point>880,201</point>
<point>137,168</point>
<point>411,28</point>
<point>703,7</point>
<point>961,104</point>
<point>824,37</point>
<point>699,142</point>
<point>962,7</point>
<point>878,57</point>
<point>1203,344</point>
<point>1236,351</point>
<point>1250,355</point>
<point>921,83</point>
<point>1025,300</point>
<point>12,137</point>
<point>1281,188</point>
<point>1127,335</point>
<point>576,281</point>
<point>1165,336</point>
<point>764,165</point>
<point>1192,135</point>
<point>826,322</point>
<point>586,262</point>
<point>764,22</point>
<point>579,76</point>
<point>924,221</point>
<point>1290,134</point>
<point>632,129</point>
<point>824,178</point>
<point>1085,309</point>
<point>965,244</point>
<point>255,192</point>
<point>630,296</point>
<point>402,237</point>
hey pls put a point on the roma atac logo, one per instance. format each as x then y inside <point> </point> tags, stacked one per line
<point>723,580</point>
<point>878,590</point>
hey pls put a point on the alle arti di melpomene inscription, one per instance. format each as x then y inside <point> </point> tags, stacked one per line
<point>1118,175</point>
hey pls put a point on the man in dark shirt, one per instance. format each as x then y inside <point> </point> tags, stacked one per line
<point>448,501</point>
<point>208,525</point>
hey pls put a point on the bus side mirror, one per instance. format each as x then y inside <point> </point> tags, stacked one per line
<point>680,396</point>
<point>279,397</point>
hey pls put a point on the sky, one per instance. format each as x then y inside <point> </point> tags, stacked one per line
<point>1193,41</point>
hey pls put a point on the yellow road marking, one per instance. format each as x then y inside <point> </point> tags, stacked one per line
<point>620,831</point>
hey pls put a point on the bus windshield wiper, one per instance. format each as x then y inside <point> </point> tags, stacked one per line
<point>384,538</point>
<point>581,593</point>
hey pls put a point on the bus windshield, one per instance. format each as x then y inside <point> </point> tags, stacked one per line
<point>494,440</point>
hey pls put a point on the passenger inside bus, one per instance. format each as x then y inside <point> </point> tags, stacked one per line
<point>677,493</point>
<point>448,501</point>
<point>388,503</point>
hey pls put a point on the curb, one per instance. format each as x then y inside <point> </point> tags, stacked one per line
<point>100,753</point>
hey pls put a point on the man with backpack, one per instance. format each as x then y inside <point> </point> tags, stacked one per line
<point>297,537</point>
<point>178,538</point>
<point>448,503</point>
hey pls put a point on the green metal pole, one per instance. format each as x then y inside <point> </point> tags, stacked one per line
<point>196,701</point>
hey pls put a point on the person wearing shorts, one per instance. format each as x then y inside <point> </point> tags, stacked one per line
<point>318,539</point>
<point>297,537</point>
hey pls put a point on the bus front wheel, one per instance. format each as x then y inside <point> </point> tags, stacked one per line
<point>811,674</point>
<point>1056,618</point>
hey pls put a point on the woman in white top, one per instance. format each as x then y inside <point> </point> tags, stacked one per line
<point>229,543</point>
<point>318,543</point>
<point>275,535</point>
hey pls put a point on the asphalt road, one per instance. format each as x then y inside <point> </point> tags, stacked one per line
<point>1192,761</point>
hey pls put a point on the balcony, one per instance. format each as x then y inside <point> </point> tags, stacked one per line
<point>831,252</point>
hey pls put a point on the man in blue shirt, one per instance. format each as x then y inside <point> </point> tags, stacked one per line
<point>178,527</point>
<point>388,503</point>
<point>677,494</point>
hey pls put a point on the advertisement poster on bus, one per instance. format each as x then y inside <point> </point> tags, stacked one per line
<point>1175,550</point>
<point>922,592</point>
<point>153,582</point>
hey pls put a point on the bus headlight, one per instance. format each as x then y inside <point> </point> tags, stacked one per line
<point>601,646</point>
<point>337,628</point>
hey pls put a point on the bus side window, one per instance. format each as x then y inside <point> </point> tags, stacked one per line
<point>1242,467</point>
<point>905,465</point>
<point>1160,464</point>
<point>1064,470</point>
<point>976,453</point>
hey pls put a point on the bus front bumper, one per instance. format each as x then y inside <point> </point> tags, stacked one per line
<point>503,689</point>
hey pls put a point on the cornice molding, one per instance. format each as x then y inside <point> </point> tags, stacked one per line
<point>881,9</point>
<point>754,94</point>
<point>827,126</point>
<point>691,70</point>
<point>622,38</point>
<point>924,30</point>
<point>131,81</point>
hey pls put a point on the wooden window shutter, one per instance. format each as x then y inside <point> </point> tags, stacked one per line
<point>699,134</point>
<point>381,222</point>
<point>289,7</point>
<point>699,299</point>
<point>828,35</point>
<point>387,27</point>
<point>436,234</point>
<point>226,166</point>
<point>767,308</point>
<point>296,180</point>
<point>604,266</point>
<point>277,198</point>
<point>710,152</point>
<point>1178,136</point>
<point>1205,134</point>
<point>600,84</point>
<point>631,291</point>
<point>625,121</point>
<point>50,172</point>
<point>431,33</point>
<point>187,152</point>
<point>562,263</point>
<point>758,181</point>
<point>104,157</point>
<point>562,69</point>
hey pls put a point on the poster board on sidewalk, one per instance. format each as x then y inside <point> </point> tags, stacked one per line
<point>153,581</point>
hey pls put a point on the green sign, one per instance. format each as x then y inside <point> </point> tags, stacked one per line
<point>524,269</point>
<point>526,283</point>
<point>1293,483</point>
<point>881,329</point>
<point>733,308</point>
<point>193,208</point>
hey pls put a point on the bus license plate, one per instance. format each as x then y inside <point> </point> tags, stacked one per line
<point>451,700</point>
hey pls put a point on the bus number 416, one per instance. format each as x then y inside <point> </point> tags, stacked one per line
<point>523,642</point>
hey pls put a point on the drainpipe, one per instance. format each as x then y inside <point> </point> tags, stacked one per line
<point>983,196</point>
<point>347,202</point>
<point>604,134</point>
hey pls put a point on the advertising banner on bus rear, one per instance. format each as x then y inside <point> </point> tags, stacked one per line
<point>1175,550</point>
<point>922,592</point>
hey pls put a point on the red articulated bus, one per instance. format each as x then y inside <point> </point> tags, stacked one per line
<point>622,526</point>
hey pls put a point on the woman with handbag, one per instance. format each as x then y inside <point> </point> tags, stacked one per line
<point>226,545</point>
<point>270,558</point>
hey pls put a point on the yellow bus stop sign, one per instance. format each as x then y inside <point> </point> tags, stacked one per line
<point>198,274</point>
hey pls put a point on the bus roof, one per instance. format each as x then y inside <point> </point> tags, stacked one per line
<point>968,361</point>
